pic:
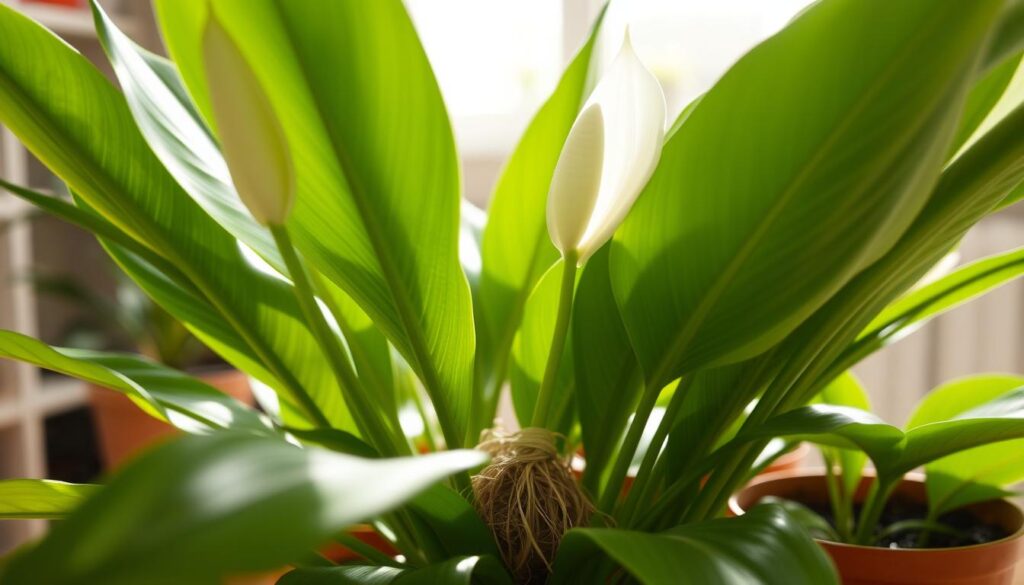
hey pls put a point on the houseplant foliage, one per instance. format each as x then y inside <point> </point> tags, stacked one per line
<point>961,433</point>
<point>790,211</point>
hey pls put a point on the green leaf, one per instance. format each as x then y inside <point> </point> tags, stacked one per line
<point>606,371</point>
<point>818,176</point>
<point>913,309</point>
<point>995,421</point>
<point>165,518</point>
<point>976,474</point>
<point>482,570</point>
<point>812,522</point>
<point>162,392</point>
<point>174,129</point>
<point>41,498</point>
<point>712,407</point>
<point>531,348</point>
<point>335,440</point>
<point>765,546</point>
<point>516,247</point>
<point>378,184</point>
<point>987,92</point>
<point>454,521</point>
<point>839,426</point>
<point>79,125</point>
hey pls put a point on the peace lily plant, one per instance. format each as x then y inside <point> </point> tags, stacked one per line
<point>287,185</point>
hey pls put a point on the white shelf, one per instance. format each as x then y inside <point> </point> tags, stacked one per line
<point>12,208</point>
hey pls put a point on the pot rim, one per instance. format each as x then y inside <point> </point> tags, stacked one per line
<point>918,478</point>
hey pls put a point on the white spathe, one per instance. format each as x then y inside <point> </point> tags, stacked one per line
<point>610,153</point>
<point>252,139</point>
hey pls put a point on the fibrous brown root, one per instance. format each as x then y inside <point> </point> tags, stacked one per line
<point>529,498</point>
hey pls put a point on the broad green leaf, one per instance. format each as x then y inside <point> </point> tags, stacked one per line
<point>162,392</point>
<point>607,375</point>
<point>41,498</point>
<point>481,570</point>
<point>976,474</point>
<point>812,522</point>
<point>994,422</point>
<point>378,184</point>
<point>971,187</point>
<point>79,125</point>
<point>912,310</point>
<point>173,128</point>
<point>765,546</point>
<point>818,176</point>
<point>164,519</point>
<point>531,348</point>
<point>839,426</point>
<point>516,248</point>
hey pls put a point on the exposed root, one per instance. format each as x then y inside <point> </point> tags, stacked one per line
<point>529,498</point>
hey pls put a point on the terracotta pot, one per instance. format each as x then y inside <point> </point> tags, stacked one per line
<point>986,564</point>
<point>124,430</point>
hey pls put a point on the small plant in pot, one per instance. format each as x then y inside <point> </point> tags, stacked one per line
<point>887,527</point>
<point>130,319</point>
<point>287,185</point>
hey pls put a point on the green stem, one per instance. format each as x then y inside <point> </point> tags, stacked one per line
<point>878,496</point>
<point>610,494</point>
<point>542,410</point>
<point>371,424</point>
<point>647,476</point>
<point>835,497</point>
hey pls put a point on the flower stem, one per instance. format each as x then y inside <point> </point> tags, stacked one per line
<point>542,410</point>
<point>371,424</point>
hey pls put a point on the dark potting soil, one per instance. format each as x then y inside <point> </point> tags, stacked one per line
<point>970,530</point>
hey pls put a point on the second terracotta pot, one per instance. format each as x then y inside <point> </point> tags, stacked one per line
<point>986,564</point>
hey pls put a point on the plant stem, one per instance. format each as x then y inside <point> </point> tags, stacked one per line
<point>371,424</point>
<point>646,478</point>
<point>878,496</point>
<point>836,497</point>
<point>610,494</point>
<point>542,410</point>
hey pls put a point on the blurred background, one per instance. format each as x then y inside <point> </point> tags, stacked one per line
<point>496,60</point>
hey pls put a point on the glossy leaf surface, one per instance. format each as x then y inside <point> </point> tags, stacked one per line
<point>724,551</point>
<point>165,517</point>
<point>46,90</point>
<point>162,392</point>
<point>976,474</point>
<point>818,176</point>
<point>378,187</point>
<point>457,571</point>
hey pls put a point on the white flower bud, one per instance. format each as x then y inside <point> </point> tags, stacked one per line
<point>594,186</point>
<point>252,139</point>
